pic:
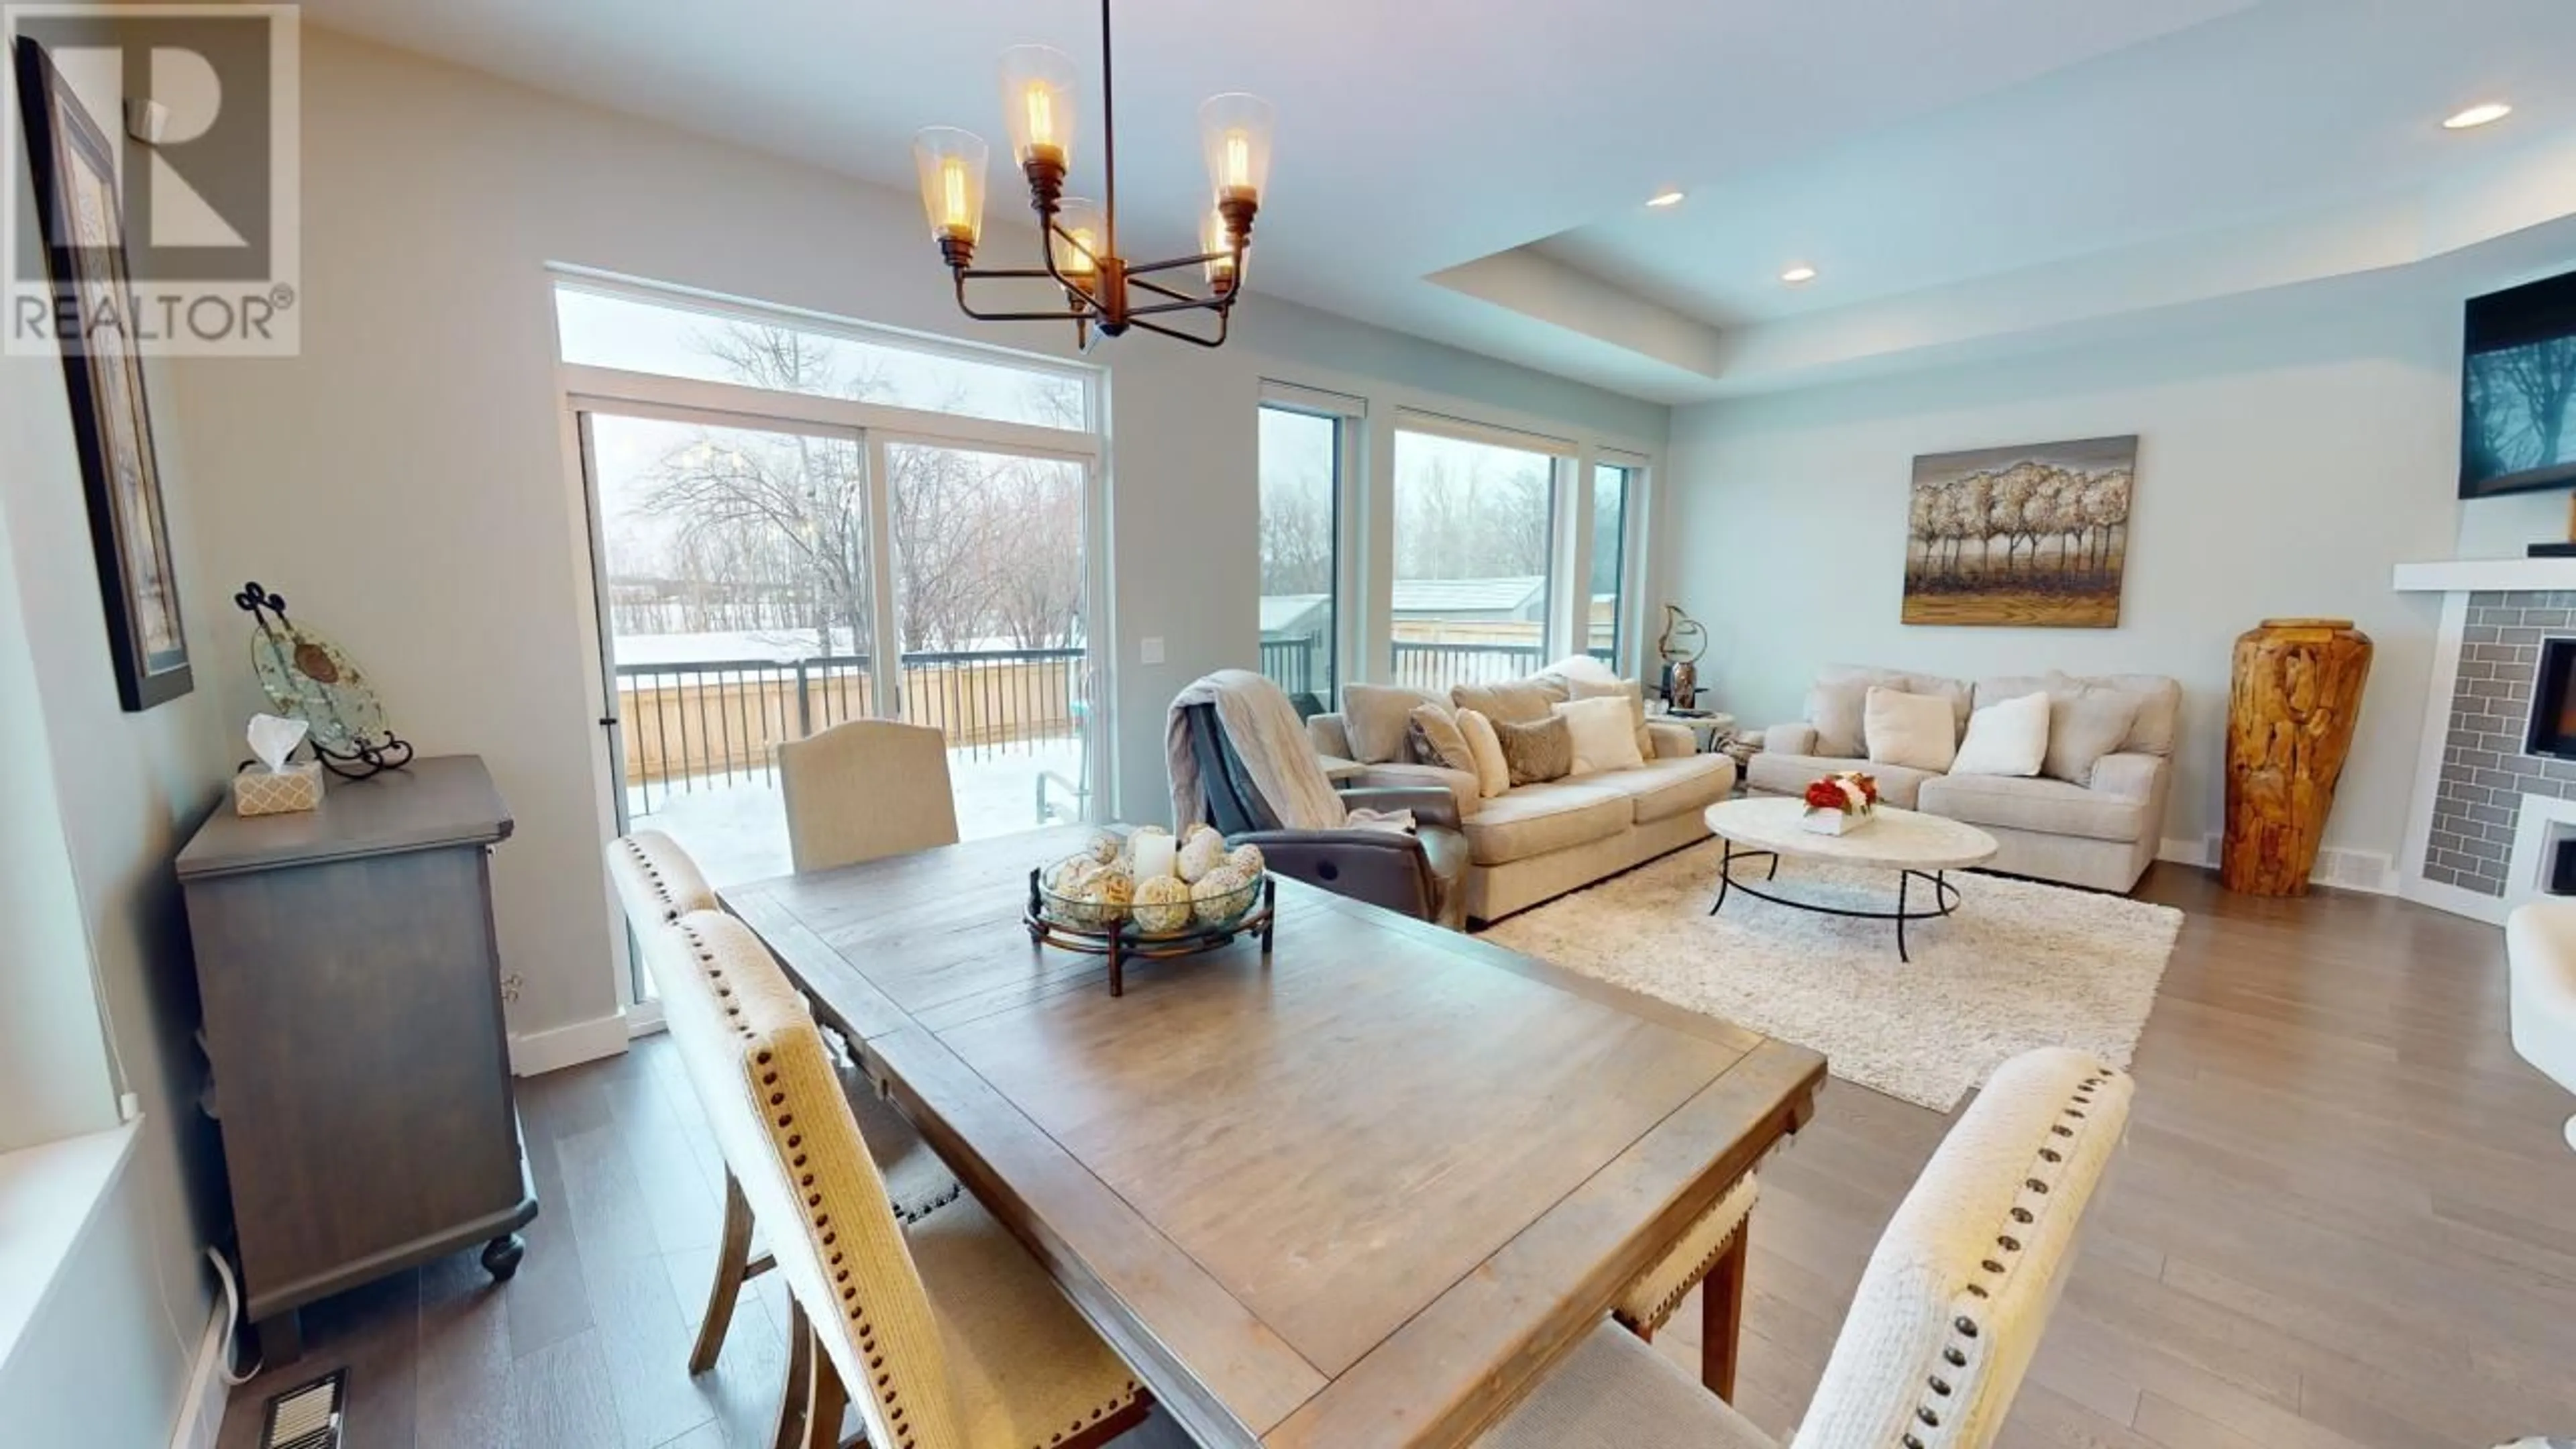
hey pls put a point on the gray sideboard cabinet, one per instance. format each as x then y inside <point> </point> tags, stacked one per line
<point>350,979</point>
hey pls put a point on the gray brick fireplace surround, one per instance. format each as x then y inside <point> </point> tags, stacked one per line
<point>2485,774</point>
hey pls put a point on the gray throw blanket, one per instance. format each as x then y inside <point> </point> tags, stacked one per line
<point>1270,740</point>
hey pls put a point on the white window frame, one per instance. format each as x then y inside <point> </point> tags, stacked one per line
<point>1567,517</point>
<point>584,389</point>
<point>1634,508</point>
<point>1350,495</point>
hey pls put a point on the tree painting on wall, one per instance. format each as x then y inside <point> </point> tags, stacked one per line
<point>2033,536</point>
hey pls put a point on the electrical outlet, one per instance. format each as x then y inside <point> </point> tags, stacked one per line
<point>510,986</point>
<point>1150,650</point>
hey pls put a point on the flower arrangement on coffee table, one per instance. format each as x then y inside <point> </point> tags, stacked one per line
<point>1840,803</point>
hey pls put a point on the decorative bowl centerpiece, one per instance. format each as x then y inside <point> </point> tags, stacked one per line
<point>1148,895</point>
<point>1840,803</point>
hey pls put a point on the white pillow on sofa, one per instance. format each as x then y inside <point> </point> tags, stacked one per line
<point>1914,730</point>
<point>1605,733</point>
<point>2009,737</point>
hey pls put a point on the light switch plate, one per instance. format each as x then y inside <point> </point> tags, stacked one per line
<point>1149,650</point>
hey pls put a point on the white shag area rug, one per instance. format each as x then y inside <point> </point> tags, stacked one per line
<point>2018,965</point>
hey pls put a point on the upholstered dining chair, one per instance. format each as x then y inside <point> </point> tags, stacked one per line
<point>944,1333</point>
<point>1950,1309</point>
<point>864,789</point>
<point>1714,1252</point>
<point>657,884</point>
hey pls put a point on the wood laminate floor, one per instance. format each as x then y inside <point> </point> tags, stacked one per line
<point>2345,1219</point>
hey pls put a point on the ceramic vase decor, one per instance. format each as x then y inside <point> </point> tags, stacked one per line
<point>2292,705</point>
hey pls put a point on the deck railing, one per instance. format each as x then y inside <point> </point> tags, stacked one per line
<point>713,724</point>
<point>1435,667</point>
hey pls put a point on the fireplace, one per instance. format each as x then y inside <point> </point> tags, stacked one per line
<point>2553,701</point>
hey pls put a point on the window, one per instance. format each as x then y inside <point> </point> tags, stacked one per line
<point>797,355</point>
<point>796,523</point>
<point>1474,528</point>
<point>1613,485</point>
<point>1301,493</point>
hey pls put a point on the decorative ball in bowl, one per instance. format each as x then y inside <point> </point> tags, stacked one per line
<point>1150,886</point>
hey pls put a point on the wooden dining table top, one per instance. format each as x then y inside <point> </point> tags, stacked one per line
<point>1360,1193</point>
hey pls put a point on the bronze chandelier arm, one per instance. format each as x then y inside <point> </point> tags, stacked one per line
<point>1200,260</point>
<point>1223,316</point>
<point>1046,254</point>
<point>1223,303</point>
<point>1069,314</point>
<point>1159,290</point>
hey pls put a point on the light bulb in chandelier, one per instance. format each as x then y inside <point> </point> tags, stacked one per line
<point>1219,248</point>
<point>1235,131</point>
<point>950,164</point>
<point>1038,105</point>
<point>1079,228</point>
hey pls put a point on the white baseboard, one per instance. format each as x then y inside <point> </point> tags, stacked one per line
<point>2369,871</point>
<point>535,1053</point>
<point>201,1409</point>
<point>2188,852</point>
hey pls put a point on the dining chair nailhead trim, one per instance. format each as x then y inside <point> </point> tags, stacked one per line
<point>785,1134</point>
<point>644,861</point>
<point>2037,1187</point>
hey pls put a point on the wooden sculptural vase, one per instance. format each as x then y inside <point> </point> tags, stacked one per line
<point>2291,709</point>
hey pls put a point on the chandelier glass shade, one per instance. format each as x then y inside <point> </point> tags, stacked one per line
<point>1103,293</point>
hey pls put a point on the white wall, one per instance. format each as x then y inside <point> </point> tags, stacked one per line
<point>403,481</point>
<point>2283,468</point>
<point>111,796</point>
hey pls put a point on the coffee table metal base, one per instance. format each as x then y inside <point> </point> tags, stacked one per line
<point>1945,896</point>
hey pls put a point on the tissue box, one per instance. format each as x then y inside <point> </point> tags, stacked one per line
<point>258,790</point>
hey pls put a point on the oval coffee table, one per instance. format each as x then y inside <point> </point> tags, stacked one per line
<point>1915,846</point>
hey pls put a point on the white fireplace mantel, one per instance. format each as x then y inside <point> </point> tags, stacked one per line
<point>2485,575</point>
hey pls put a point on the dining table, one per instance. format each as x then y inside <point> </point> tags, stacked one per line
<point>1361,1189</point>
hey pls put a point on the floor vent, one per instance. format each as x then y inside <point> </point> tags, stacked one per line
<point>307,1416</point>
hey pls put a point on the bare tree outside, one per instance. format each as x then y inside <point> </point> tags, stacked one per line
<point>2518,401</point>
<point>979,539</point>
<point>1473,531</point>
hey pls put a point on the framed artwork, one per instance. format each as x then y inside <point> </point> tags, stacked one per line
<point>73,165</point>
<point>2033,537</point>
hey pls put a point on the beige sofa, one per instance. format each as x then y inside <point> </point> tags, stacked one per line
<point>2101,835</point>
<point>1538,841</point>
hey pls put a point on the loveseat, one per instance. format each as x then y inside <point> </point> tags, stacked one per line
<point>2100,831</point>
<point>1539,840</point>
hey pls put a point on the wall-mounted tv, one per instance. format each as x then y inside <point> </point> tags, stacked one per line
<point>2518,390</point>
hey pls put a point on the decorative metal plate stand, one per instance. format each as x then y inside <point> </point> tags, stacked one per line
<point>1123,943</point>
<point>306,677</point>
<point>1945,896</point>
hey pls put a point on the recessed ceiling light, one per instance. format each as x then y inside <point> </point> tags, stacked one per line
<point>1671,197</point>
<point>1799,274</point>
<point>2479,115</point>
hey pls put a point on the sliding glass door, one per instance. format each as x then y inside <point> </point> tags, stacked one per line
<point>740,582</point>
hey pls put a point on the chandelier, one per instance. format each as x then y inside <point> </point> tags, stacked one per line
<point>1104,293</point>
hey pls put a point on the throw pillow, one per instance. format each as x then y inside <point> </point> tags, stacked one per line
<point>1836,707</point>
<point>1633,691</point>
<point>2082,728</point>
<point>1378,717</point>
<point>2009,737</point>
<point>1437,740</point>
<point>1913,730</point>
<point>1539,750</point>
<point>1604,734</point>
<point>1516,701</point>
<point>1493,772</point>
